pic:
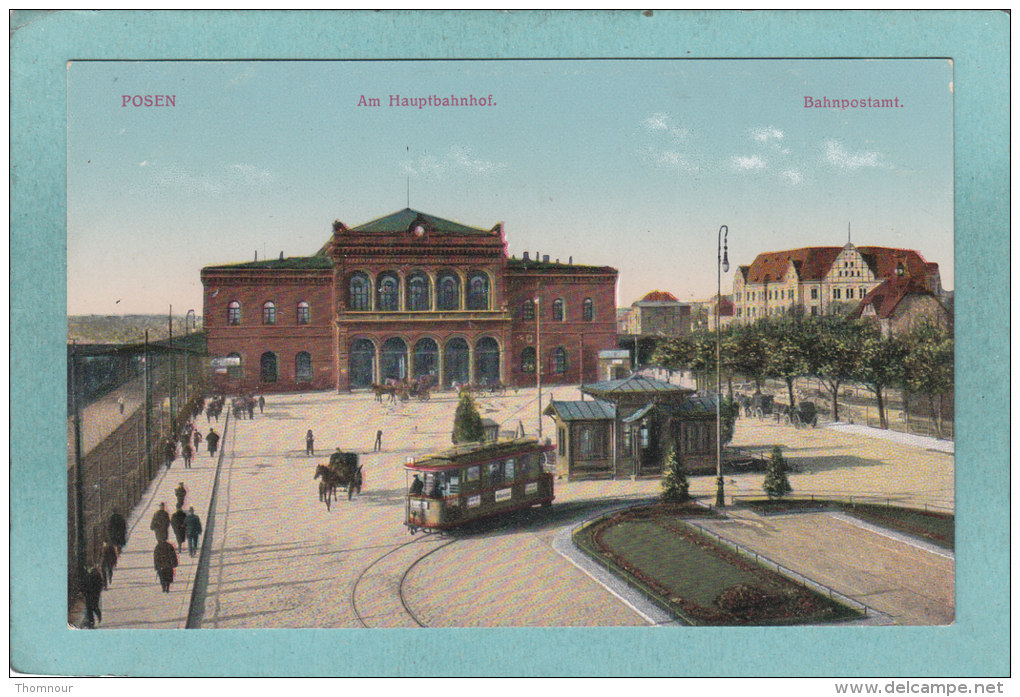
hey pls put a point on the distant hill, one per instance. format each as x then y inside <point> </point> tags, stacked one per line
<point>126,329</point>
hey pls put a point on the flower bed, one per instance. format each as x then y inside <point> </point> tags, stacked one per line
<point>695,578</point>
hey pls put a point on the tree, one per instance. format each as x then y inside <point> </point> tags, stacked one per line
<point>729,410</point>
<point>928,366</point>
<point>776,484</point>
<point>786,343</point>
<point>833,353</point>
<point>746,353</point>
<point>880,366</point>
<point>675,487</point>
<point>467,422</point>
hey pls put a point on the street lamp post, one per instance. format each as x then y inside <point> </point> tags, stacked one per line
<point>187,362</point>
<point>538,359</point>
<point>722,264</point>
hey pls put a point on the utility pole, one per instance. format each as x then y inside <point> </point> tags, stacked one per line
<point>79,478</point>
<point>538,358</point>
<point>148,412</point>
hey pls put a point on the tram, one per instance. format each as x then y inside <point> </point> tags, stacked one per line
<point>471,482</point>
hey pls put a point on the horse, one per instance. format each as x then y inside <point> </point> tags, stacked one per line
<point>328,485</point>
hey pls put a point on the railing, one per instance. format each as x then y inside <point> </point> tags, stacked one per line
<point>876,498</point>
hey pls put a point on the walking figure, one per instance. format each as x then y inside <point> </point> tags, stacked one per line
<point>118,531</point>
<point>262,403</point>
<point>120,404</point>
<point>161,523</point>
<point>378,441</point>
<point>186,453</point>
<point>193,528</point>
<point>164,559</point>
<point>169,452</point>
<point>178,521</point>
<point>180,492</point>
<point>309,443</point>
<point>93,589</point>
<point>108,558</point>
<point>197,439</point>
<point>212,440</point>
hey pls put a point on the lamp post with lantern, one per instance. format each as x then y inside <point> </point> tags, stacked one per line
<point>722,264</point>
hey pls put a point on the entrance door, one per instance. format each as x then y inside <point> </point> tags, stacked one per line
<point>456,362</point>
<point>362,363</point>
<point>487,361</point>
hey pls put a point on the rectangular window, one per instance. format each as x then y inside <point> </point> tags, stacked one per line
<point>814,294</point>
<point>835,293</point>
<point>452,483</point>
<point>561,436</point>
<point>849,293</point>
<point>495,473</point>
<point>508,470</point>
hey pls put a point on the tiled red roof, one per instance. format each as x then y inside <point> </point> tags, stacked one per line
<point>887,295</point>
<point>813,263</point>
<point>658,296</point>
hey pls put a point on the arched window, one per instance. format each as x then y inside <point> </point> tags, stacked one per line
<point>268,313</point>
<point>426,358</point>
<point>528,309</point>
<point>235,371</point>
<point>234,313</point>
<point>361,293</point>
<point>528,359</point>
<point>269,367</point>
<point>478,292</point>
<point>303,367</point>
<point>588,310</point>
<point>362,363</point>
<point>388,290</point>
<point>487,361</point>
<point>418,295</point>
<point>449,292</point>
<point>394,359</point>
<point>304,313</point>
<point>456,362</point>
<point>559,360</point>
<point>558,313</point>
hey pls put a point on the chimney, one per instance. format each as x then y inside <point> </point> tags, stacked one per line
<point>545,258</point>
<point>281,255</point>
<point>570,260</point>
<point>525,257</point>
<point>256,255</point>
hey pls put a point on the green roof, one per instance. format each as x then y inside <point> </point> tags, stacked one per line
<point>531,264</point>
<point>401,222</point>
<point>635,384</point>
<point>584,410</point>
<point>314,262</point>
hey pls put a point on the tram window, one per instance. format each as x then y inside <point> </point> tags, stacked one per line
<point>473,474</point>
<point>452,483</point>
<point>528,465</point>
<point>508,469</point>
<point>495,473</point>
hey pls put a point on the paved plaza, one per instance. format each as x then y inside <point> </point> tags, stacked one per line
<point>276,557</point>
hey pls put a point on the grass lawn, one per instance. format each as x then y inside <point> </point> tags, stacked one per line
<point>700,581</point>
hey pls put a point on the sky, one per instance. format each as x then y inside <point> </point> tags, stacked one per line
<point>634,164</point>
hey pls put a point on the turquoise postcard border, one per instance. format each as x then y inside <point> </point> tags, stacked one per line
<point>41,43</point>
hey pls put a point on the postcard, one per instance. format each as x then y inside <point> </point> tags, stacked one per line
<point>561,345</point>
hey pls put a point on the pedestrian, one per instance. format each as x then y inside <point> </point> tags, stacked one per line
<point>186,453</point>
<point>92,587</point>
<point>164,559</point>
<point>178,521</point>
<point>180,492</point>
<point>262,403</point>
<point>169,452</point>
<point>118,531</point>
<point>251,407</point>
<point>309,443</point>
<point>120,404</point>
<point>212,440</point>
<point>108,558</point>
<point>417,486</point>
<point>197,437</point>
<point>378,441</point>
<point>193,528</point>
<point>161,523</point>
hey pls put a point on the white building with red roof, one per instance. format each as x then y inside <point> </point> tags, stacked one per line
<point>822,279</point>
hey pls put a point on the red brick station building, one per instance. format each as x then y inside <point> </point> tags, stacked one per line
<point>401,297</point>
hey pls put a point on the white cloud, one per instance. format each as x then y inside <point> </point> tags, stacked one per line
<point>657,122</point>
<point>747,163</point>
<point>766,134</point>
<point>793,176</point>
<point>839,156</point>
<point>458,159</point>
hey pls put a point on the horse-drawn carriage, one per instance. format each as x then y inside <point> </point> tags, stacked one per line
<point>804,415</point>
<point>342,472</point>
<point>762,405</point>
<point>418,388</point>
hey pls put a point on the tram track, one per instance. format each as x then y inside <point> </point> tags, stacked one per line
<point>373,595</point>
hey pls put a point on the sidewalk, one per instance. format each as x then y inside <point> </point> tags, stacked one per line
<point>926,442</point>
<point>134,598</point>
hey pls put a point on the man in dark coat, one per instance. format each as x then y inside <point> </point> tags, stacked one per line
<point>262,403</point>
<point>186,453</point>
<point>169,452</point>
<point>161,523</point>
<point>193,528</point>
<point>213,439</point>
<point>417,486</point>
<point>108,559</point>
<point>164,559</point>
<point>197,437</point>
<point>180,492</point>
<point>178,522</point>
<point>309,443</point>
<point>93,589</point>
<point>118,531</point>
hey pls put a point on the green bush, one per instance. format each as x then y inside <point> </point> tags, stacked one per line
<point>675,487</point>
<point>776,484</point>
<point>467,422</point>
